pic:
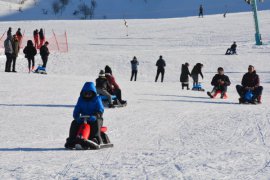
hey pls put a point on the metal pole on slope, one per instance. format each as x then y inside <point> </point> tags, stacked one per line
<point>258,37</point>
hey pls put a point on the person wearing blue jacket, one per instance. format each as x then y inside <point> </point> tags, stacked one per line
<point>89,104</point>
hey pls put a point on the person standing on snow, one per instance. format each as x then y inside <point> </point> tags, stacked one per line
<point>8,52</point>
<point>197,69</point>
<point>44,53</point>
<point>160,68</point>
<point>30,52</point>
<point>16,49</point>
<point>41,37</point>
<point>36,37</point>
<point>220,82</point>
<point>134,68</point>
<point>102,85</point>
<point>201,11</point>
<point>19,36</point>
<point>88,104</point>
<point>250,82</point>
<point>113,88</point>
<point>184,77</point>
<point>9,32</point>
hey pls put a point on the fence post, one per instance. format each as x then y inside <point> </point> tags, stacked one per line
<point>3,35</point>
<point>66,40</point>
<point>56,40</point>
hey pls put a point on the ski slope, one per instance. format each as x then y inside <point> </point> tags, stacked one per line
<point>164,132</point>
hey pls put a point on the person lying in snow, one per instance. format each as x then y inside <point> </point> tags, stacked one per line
<point>250,82</point>
<point>220,82</point>
<point>89,104</point>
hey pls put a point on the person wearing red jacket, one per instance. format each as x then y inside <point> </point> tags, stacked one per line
<point>113,88</point>
<point>36,38</point>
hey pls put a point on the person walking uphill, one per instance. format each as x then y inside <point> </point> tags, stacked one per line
<point>16,49</point>
<point>134,68</point>
<point>184,77</point>
<point>89,104</point>
<point>8,52</point>
<point>30,52</point>
<point>160,68</point>
<point>197,69</point>
<point>44,53</point>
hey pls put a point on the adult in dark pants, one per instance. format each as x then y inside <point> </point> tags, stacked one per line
<point>89,104</point>
<point>44,53</point>
<point>184,77</point>
<point>160,68</point>
<point>16,49</point>
<point>220,82</point>
<point>196,71</point>
<point>30,52</point>
<point>134,68</point>
<point>113,88</point>
<point>250,82</point>
<point>232,49</point>
<point>8,52</point>
<point>201,11</point>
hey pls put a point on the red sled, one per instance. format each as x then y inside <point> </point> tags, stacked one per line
<point>85,130</point>
<point>219,92</point>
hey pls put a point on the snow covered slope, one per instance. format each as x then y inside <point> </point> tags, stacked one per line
<point>119,9</point>
<point>164,132</point>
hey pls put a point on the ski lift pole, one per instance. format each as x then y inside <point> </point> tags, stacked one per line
<point>258,37</point>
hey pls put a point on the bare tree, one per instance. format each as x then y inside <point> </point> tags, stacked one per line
<point>56,7</point>
<point>85,10</point>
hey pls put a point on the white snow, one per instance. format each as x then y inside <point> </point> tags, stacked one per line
<point>164,132</point>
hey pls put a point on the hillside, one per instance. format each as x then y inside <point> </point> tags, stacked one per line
<point>119,9</point>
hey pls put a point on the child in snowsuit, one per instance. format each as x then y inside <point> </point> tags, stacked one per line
<point>102,85</point>
<point>89,104</point>
<point>220,82</point>
<point>250,82</point>
<point>184,77</point>
<point>197,69</point>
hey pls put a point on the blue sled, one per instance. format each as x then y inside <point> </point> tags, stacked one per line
<point>104,98</point>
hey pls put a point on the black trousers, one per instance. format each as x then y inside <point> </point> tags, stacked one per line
<point>8,62</point>
<point>95,130</point>
<point>134,73</point>
<point>242,91</point>
<point>118,94</point>
<point>31,63</point>
<point>44,60</point>
<point>200,14</point>
<point>162,72</point>
<point>14,58</point>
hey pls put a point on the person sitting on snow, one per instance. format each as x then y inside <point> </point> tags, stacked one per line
<point>113,86</point>
<point>89,104</point>
<point>197,69</point>
<point>250,82</point>
<point>220,82</point>
<point>102,85</point>
<point>232,50</point>
<point>184,77</point>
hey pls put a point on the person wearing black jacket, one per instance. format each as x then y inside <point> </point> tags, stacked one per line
<point>102,85</point>
<point>41,37</point>
<point>184,77</point>
<point>197,69</point>
<point>220,82</point>
<point>30,52</point>
<point>160,68</point>
<point>232,49</point>
<point>250,82</point>
<point>44,53</point>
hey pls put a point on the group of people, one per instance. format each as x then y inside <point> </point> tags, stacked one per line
<point>12,48</point>
<point>39,38</point>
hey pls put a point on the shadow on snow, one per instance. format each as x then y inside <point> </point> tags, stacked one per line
<point>39,105</point>
<point>30,149</point>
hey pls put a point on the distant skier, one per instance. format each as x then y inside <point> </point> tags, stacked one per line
<point>19,36</point>
<point>8,52</point>
<point>134,68</point>
<point>36,37</point>
<point>184,77</point>
<point>196,71</point>
<point>250,82</point>
<point>201,11</point>
<point>232,49</point>
<point>16,49</point>
<point>102,85</point>
<point>220,82</point>
<point>89,104</point>
<point>113,88</point>
<point>41,37</point>
<point>44,53</point>
<point>160,68</point>
<point>30,52</point>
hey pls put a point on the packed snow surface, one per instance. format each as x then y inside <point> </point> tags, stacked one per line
<point>164,132</point>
